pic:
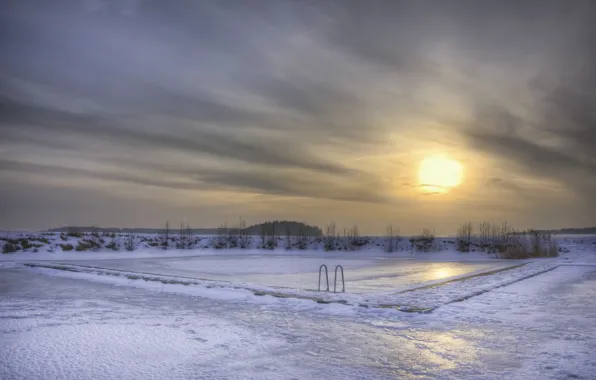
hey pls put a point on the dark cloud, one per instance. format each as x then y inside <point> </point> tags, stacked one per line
<point>266,97</point>
<point>360,190</point>
<point>387,34</point>
<point>320,109</point>
<point>532,155</point>
<point>570,160</point>
<point>553,136</point>
<point>402,35</point>
<point>510,187</point>
<point>56,170</point>
<point>28,205</point>
<point>209,179</point>
<point>16,118</point>
<point>570,114</point>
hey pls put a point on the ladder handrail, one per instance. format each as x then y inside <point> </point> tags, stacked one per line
<point>326,276</point>
<point>343,283</point>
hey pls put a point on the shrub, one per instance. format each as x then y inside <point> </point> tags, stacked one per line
<point>218,244</point>
<point>82,247</point>
<point>425,242</point>
<point>129,243</point>
<point>92,243</point>
<point>9,248</point>
<point>112,245</point>
<point>74,233</point>
<point>463,245</point>
<point>361,242</point>
<point>232,242</point>
<point>66,247</point>
<point>87,244</point>
<point>25,244</point>
<point>530,244</point>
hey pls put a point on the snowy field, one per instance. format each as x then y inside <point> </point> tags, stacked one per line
<point>256,315</point>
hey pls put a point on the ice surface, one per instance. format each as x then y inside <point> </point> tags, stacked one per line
<point>362,275</point>
<point>548,321</point>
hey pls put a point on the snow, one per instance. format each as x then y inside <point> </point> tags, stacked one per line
<point>551,318</point>
<point>46,341</point>
<point>114,317</point>
<point>56,328</point>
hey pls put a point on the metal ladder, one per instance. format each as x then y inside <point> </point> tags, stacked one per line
<point>343,283</point>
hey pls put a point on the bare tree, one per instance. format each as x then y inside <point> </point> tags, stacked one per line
<point>165,237</point>
<point>288,242</point>
<point>353,239</point>
<point>189,237</point>
<point>181,243</point>
<point>263,235</point>
<point>484,235</point>
<point>129,243</point>
<point>464,237</point>
<point>392,239</point>
<point>221,240</point>
<point>243,239</point>
<point>272,237</point>
<point>185,237</point>
<point>268,235</point>
<point>94,239</point>
<point>505,233</point>
<point>330,237</point>
<point>303,239</point>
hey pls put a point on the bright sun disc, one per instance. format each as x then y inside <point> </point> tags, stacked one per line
<point>439,174</point>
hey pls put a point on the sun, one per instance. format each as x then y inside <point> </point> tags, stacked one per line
<point>439,174</point>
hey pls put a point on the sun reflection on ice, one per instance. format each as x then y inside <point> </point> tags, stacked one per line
<point>437,351</point>
<point>441,273</point>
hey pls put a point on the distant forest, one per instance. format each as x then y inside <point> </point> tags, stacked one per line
<point>280,228</point>
<point>576,231</point>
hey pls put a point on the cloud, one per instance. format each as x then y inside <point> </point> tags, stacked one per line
<point>53,170</point>
<point>361,190</point>
<point>323,108</point>
<point>36,119</point>
<point>551,134</point>
<point>563,153</point>
<point>281,97</point>
<point>204,179</point>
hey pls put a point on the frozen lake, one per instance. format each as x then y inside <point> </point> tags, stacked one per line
<point>66,328</point>
<point>362,275</point>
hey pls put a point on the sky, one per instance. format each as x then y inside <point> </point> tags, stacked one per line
<point>129,113</point>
